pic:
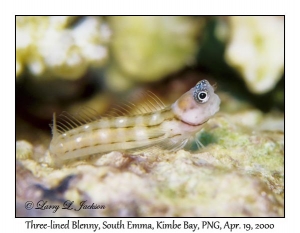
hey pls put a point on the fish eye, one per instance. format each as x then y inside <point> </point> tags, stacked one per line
<point>202,97</point>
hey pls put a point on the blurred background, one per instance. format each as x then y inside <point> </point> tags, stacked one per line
<point>65,62</point>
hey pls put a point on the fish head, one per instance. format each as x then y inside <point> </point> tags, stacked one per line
<point>196,106</point>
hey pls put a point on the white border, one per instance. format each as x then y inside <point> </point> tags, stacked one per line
<point>10,8</point>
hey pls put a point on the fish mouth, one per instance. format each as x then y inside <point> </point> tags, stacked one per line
<point>190,124</point>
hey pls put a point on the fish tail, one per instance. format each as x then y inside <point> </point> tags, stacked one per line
<point>55,132</point>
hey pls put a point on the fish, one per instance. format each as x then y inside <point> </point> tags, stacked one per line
<point>150,127</point>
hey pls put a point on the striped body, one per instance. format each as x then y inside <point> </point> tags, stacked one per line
<point>163,128</point>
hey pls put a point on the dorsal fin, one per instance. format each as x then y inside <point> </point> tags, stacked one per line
<point>87,114</point>
<point>152,102</point>
<point>147,102</point>
<point>66,121</point>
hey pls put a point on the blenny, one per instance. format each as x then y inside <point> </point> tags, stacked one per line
<point>152,126</point>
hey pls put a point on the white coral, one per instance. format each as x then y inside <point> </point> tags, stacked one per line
<point>256,50</point>
<point>47,46</point>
